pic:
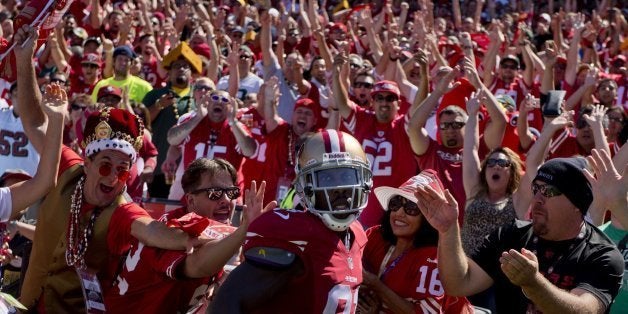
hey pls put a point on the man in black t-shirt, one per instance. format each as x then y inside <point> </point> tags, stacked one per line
<point>558,263</point>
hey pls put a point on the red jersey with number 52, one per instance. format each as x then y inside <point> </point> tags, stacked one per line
<point>332,274</point>
<point>388,150</point>
<point>413,276</point>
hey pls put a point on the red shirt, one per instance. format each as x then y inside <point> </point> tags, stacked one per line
<point>332,274</point>
<point>565,145</point>
<point>149,73</point>
<point>414,276</point>
<point>148,281</point>
<point>517,90</point>
<point>388,150</point>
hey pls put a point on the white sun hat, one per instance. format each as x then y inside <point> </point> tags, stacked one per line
<point>407,189</point>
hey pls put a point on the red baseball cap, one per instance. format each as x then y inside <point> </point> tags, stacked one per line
<point>386,86</point>
<point>92,58</point>
<point>109,91</point>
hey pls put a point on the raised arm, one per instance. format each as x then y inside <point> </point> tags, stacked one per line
<point>268,55</point>
<point>339,90</point>
<point>246,142</point>
<point>596,120</point>
<point>179,132</point>
<point>470,157</point>
<point>572,54</point>
<point>26,193</point>
<point>270,93</point>
<point>609,188</point>
<point>526,138</point>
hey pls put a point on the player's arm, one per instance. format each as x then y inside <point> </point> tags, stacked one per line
<point>254,282</point>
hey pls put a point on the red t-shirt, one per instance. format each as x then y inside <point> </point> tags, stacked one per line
<point>389,152</point>
<point>517,90</point>
<point>412,276</point>
<point>149,73</point>
<point>565,145</point>
<point>332,274</point>
<point>148,281</point>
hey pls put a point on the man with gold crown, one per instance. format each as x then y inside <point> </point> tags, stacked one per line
<point>86,222</point>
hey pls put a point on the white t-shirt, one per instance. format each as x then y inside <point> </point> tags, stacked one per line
<point>249,84</point>
<point>16,152</point>
<point>6,204</point>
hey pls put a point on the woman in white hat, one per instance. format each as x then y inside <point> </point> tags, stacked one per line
<point>400,264</point>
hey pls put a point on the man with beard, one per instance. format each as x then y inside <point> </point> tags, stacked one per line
<point>166,105</point>
<point>211,131</point>
<point>557,263</point>
<point>307,261</point>
<point>122,60</point>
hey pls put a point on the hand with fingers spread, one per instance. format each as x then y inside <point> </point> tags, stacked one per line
<point>471,73</point>
<point>55,103</point>
<point>610,189</point>
<point>445,85</point>
<point>254,203</point>
<point>529,104</point>
<point>202,106</point>
<point>232,110</point>
<point>520,268</point>
<point>441,211</point>
<point>596,118</point>
<point>474,102</point>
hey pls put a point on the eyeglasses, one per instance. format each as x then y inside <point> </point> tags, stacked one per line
<point>244,57</point>
<point>217,98</point>
<point>56,80</point>
<point>504,163</point>
<point>78,107</point>
<point>581,124</point>
<point>511,66</point>
<point>363,85</point>
<point>215,194</point>
<point>122,174</point>
<point>184,66</point>
<point>397,201</point>
<point>546,190</point>
<point>389,98</point>
<point>456,125</point>
<point>615,119</point>
<point>203,88</point>
<point>355,66</point>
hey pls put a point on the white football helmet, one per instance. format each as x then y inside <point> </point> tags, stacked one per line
<point>333,178</point>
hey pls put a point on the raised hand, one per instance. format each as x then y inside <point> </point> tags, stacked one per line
<point>203,104</point>
<point>564,120</point>
<point>55,103</point>
<point>25,39</point>
<point>445,85</point>
<point>591,79</point>
<point>232,109</point>
<point>254,202</point>
<point>608,186</point>
<point>529,104</point>
<point>473,102</point>
<point>441,211</point>
<point>471,73</point>
<point>596,117</point>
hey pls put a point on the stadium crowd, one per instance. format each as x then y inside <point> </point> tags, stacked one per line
<point>289,134</point>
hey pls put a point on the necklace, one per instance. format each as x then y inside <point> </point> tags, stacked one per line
<point>77,240</point>
<point>291,145</point>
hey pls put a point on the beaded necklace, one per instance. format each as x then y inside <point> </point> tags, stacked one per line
<point>78,241</point>
<point>291,144</point>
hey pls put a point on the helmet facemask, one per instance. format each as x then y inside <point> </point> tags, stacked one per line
<point>335,190</point>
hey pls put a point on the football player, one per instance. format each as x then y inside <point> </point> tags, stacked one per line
<point>307,261</point>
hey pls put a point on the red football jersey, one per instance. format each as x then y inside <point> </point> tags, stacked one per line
<point>517,90</point>
<point>332,272</point>
<point>414,276</point>
<point>149,73</point>
<point>388,150</point>
<point>147,281</point>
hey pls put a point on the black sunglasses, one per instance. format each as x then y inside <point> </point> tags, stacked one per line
<point>77,107</point>
<point>546,190</point>
<point>215,194</point>
<point>504,163</point>
<point>398,201</point>
<point>581,123</point>
<point>363,85</point>
<point>389,98</point>
<point>456,125</point>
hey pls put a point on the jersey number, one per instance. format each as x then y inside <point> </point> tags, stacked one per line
<point>435,287</point>
<point>379,156</point>
<point>341,292</point>
<point>202,151</point>
<point>17,148</point>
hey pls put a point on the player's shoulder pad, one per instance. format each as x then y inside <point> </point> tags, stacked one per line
<point>270,257</point>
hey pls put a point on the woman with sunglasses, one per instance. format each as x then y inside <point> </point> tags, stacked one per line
<point>400,260</point>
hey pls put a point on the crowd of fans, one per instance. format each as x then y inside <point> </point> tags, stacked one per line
<point>482,92</point>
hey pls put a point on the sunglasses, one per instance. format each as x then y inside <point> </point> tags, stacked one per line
<point>244,57</point>
<point>217,98</point>
<point>504,163</point>
<point>355,66</point>
<point>78,107</point>
<point>122,174</point>
<point>215,194</point>
<point>203,88</point>
<point>397,201</point>
<point>389,98</point>
<point>456,125</point>
<point>363,85</point>
<point>546,190</point>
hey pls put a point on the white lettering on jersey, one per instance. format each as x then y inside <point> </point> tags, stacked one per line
<point>449,156</point>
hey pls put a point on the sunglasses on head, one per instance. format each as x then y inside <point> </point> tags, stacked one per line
<point>398,201</point>
<point>389,98</point>
<point>215,194</point>
<point>218,98</point>
<point>203,88</point>
<point>78,107</point>
<point>504,163</point>
<point>363,85</point>
<point>546,190</point>
<point>456,125</point>
<point>122,174</point>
